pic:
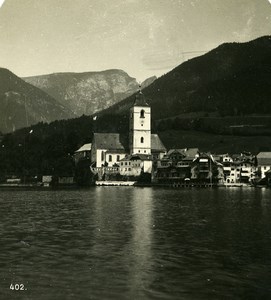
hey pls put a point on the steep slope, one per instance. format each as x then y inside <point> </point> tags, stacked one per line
<point>233,79</point>
<point>22,104</point>
<point>90,92</point>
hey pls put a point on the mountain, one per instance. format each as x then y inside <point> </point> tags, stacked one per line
<point>233,79</point>
<point>90,92</point>
<point>22,104</point>
<point>148,82</point>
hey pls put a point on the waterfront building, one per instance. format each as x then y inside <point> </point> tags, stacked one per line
<point>177,156</point>
<point>83,152</point>
<point>109,148</point>
<point>175,166</point>
<point>47,180</point>
<point>205,169</point>
<point>239,168</point>
<point>263,163</point>
<point>135,165</point>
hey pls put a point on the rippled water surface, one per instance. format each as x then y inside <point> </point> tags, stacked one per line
<point>136,243</point>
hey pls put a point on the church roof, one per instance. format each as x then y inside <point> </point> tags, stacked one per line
<point>110,141</point>
<point>140,100</point>
<point>264,158</point>
<point>156,144</point>
<point>116,141</point>
<point>186,152</point>
<point>180,151</point>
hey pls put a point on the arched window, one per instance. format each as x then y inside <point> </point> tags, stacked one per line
<point>142,113</point>
<point>110,157</point>
<point>118,158</point>
<point>142,140</point>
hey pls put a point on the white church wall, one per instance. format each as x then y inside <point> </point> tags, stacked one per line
<point>100,157</point>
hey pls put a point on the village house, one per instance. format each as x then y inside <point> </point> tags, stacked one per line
<point>83,152</point>
<point>135,165</point>
<point>263,163</point>
<point>239,168</point>
<point>175,166</point>
<point>231,172</point>
<point>205,169</point>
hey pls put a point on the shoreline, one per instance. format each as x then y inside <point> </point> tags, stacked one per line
<point>35,187</point>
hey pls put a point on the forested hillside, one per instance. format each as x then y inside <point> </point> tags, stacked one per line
<point>233,79</point>
<point>22,104</point>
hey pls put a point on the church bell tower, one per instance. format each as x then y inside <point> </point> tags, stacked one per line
<point>140,126</point>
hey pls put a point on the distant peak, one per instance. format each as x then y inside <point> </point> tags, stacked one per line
<point>148,81</point>
<point>108,71</point>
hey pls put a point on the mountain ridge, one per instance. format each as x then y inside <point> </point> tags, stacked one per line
<point>23,104</point>
<point>88,92</point>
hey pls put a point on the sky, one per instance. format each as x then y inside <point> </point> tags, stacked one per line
<point>141,37</point>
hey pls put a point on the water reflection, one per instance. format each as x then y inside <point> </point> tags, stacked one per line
<point>112,219</point>
<point>139,251</point>
<point>123,220</point>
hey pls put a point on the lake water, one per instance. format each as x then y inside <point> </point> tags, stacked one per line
<point>136,243</point>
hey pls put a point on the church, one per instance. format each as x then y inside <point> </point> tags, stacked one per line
<point>110,149</point>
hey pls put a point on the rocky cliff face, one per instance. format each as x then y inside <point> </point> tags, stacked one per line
<point>88,93</point>
<point>22,104</point>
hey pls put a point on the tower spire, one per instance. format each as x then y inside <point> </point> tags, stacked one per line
<point>139,98</point>
<point>139,86</point>
<point>140,125</point>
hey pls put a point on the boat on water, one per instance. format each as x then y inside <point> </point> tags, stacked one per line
<point>236,184</point>
<point>114,183</point>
